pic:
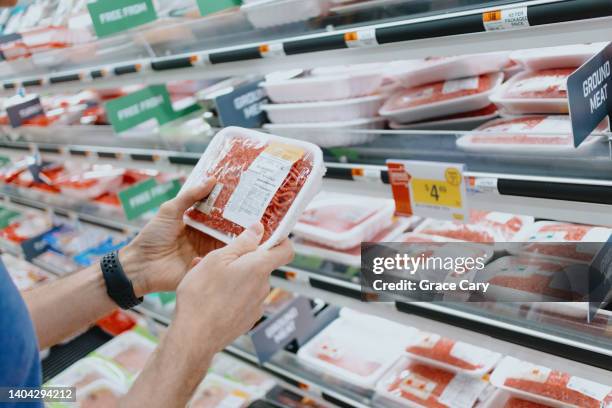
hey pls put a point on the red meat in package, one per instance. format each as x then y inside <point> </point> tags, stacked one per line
<point>260,178</point>
<point>452,355</point>
<point>549,83</point>
<point>484,227</point>
<point>411,383</point>
<point>549,386</point>
<point>528,134</point>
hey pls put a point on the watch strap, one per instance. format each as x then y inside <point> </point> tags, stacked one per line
<point>118,286</point>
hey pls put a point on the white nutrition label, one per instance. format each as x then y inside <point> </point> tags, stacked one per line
<point>256,188</point>
<point>463,84</point>
<point>462,392</point>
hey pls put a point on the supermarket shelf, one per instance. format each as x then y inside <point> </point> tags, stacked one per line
<point>294,375</point>
<point>537,195</point>
<point>519,340</point>
<point>443,33</point>
<point>84,212</point>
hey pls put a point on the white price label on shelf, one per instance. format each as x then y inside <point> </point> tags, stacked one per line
<point>272,50</point>
<point>505,19</point>
<point>199,60</point>
<point>360,39</point>
<point>366,174</point>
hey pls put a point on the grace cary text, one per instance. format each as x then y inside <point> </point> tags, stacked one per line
<point>429,286</point>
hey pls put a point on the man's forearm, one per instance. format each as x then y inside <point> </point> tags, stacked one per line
<point>65,306</point>
<point>174,371</point>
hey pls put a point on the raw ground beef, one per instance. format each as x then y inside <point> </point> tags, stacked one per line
<point>520,125</point>
<point>520,403</point>
<point>359,365</point>
<point>402,385</point>
<point>549,83</point>
<point>436,92</point>
<point>555,387</point>
<point>337,218</point>
<point>441,351</point>
<point>235,159</point>
<point>133,358</point>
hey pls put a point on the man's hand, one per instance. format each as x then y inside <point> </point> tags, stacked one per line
<point>219,299</point>
<point>160,255</point>
<point>222,297</point>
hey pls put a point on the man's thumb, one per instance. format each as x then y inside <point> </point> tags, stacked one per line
<point>246,242</point>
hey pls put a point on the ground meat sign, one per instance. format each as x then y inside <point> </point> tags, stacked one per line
<point>588,90</point>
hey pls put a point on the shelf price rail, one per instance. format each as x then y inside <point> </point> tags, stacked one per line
<point>591,18</point>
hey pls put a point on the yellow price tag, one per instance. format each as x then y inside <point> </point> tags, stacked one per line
<point>436,192</point>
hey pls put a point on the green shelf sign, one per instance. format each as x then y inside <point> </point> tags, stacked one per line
<point>141,106</point>
<point>114,16</point>
<point>212,6</point>
<point>146,196</point>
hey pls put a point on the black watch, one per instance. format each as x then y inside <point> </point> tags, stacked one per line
<point>118,286</point>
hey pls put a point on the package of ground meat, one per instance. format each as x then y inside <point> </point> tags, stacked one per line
<point>344,348</point>
<point>419,72</point>
<point>565,56</point>
<point>218,392</point>
<point>441,98</point>
<point>91,183</point>
<point>129,350</point>
<point>460,121</point>
<point>528,279</point>
<point>534,134</point>
<point>504,399</point>
<point>561,240</point>
<point>100,394</point>
<point>535,92</point>
<point>352,256</point>
<point>483,227</point>
<point>451,355</point>
<point>260,178</point>
<point>413,384</point>
<point>86,371</point>
<point>556,388</point>
<point>343,221</point>
<point>29,226</point>
<point>24,274</point>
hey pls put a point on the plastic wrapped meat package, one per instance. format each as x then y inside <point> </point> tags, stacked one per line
<point>451,355</point>
<point>343,221</point>
<point>534,134</point>
<point>24,274</point>
<point>216,391</point>
<point>483,227</point>
<point>554,388</point>
<point>504,399</point>
<point>529,279</point>
<point>260,178</point>
<point>323,87</point>
<point>352,256</point>
<point>535,92</point>
<point>270,13</point>
<point>86,371</point>
<point>562,241</point>
<point>341,110</point>
<point>240,372</point>
<point>460,121</point>
<point>441,98</point>
<point>330,134</point>
<point>29,226</point>
<point>566,56</point>
<point>415,73</point>
<point>91,183</point>
<point>100,394</point>
<point>129,350</point>
<point>344,349</point>
<point>413,384</point>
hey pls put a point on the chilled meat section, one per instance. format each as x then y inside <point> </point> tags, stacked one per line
<point>299,109</point>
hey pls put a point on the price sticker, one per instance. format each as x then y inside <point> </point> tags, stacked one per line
<point>505,19</point>
<point>360,39</point>
<point>435,189</point>
<point>272,50</point>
